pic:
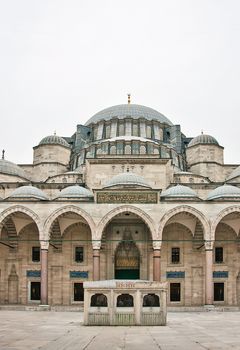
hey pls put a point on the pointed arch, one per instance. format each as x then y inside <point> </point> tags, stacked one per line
<point>221,215</point>
<point>68,209</point>
<point>187,209</point>
<point>20,209</point>
<point>123,209</point>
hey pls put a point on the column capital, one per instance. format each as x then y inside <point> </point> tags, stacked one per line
<point>44,244</point>
<point>208,245</point>
<point>157,244</point>
<point>96,244</point>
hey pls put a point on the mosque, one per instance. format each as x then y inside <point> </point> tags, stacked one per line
<point>127,196</point>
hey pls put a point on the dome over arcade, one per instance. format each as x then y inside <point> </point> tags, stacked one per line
<point>9,168</point>
<point>234,173</point>
<point>129,111</point>
<point>28,192</point>
<point>54,140</point>
<point>127,179</point>
<point>225,191</point>
<point>74,192</point>
<point>179,191</point>
<point>204,140</point>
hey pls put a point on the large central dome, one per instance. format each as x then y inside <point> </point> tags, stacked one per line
<point>129,110</point>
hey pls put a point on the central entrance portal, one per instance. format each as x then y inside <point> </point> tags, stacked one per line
<point>127,258</point>
<point>127,248</point>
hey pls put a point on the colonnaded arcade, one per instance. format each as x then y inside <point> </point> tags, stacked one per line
<point>127,196</point>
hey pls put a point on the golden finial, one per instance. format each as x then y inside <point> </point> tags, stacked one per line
<point>129,99</point>
<point>202,131</point>
<point>54,133</point>
<point>3,151</point>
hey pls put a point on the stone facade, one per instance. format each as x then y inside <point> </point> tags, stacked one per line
<point>128,196</point>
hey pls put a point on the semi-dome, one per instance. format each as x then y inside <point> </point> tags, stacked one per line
<point>54,140</point>
<point>74,192</point>
<point>127,179</point>
<point>203,139</point>
<point>28,192</point>
<point>234,173</point>
<point>10,168</point>
<point>179,191</point>
<point>129,110</point>
<point>225,191</point>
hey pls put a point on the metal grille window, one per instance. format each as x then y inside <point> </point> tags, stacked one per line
<point>218,255</point>
<point>79,254</point>
<point>175,255</point>
<point>35,254</point>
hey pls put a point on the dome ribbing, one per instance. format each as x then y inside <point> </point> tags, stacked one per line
<point>129,111</point>
<point>54,140</point>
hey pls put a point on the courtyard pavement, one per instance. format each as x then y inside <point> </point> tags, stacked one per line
<point>49,330</point>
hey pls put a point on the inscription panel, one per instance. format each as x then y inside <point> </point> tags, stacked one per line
<point>127,197</point>
<point>78,274</point>
<point>220,274</point>
<point>33,273</point>
<point>175,274</point>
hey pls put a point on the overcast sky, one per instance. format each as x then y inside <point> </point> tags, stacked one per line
<point>63,61</point>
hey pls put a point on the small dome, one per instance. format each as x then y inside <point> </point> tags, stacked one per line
<point>10,168</point>
<point>225,191</point>
<point>28,192</point>
<point>234,173</point>
<point>129,111</point>
<point>203,139</point>
<point>54,140</point>
<point>127,179</point>
<point>75,192</point>
<point>179,191</point>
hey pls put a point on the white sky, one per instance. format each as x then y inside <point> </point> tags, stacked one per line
<point>63,61</point>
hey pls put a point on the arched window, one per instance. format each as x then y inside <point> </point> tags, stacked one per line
<point>125,300</point>
<point>99,300</point>
<point>128,149</point>
<point>151,300</point>
<point>113,150</point>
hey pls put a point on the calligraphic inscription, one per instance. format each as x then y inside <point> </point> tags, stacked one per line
<point>125,285</point>
<point>220,274</point>
<point>78,274</point>
<point>127,262</point>
<point>127,197</point>
<point>175,274</point>
<point>33,273</point>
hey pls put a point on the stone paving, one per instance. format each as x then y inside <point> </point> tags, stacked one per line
<point>64,330</point>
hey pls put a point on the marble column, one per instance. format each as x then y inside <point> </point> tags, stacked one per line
<point>209,276</point>
<point>96,264</point>
<point>157,265</point>
<point>44,276</point>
